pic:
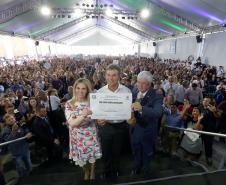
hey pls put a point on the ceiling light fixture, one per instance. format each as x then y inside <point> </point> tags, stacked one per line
<point>145,13</point>
<point>78,12</point>
<point>109,12</point>
<point>45,10</point>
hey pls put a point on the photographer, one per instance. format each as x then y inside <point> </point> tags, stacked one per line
<point>21,102</point>
<point>19,150</point>
<point>210,114</point>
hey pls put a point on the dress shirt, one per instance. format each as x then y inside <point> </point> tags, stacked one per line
<point>121,89</point>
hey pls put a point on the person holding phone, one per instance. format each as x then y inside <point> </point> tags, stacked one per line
<point>210,114</point>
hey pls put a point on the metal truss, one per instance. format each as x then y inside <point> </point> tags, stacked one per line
<point>18,9</point>
<point>133,13</point>
<point>207,30</point>
<point>130,28</point>
<point>179,19</point>
<point>216,28</point>
<point>117,33</point>
<point>61,27</point>
<point>95,11</point>
<point>155,33</point>
<point>78,33</point>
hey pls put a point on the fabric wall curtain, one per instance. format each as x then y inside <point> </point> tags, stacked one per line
<point>214,51</point>
<point>184,48</point>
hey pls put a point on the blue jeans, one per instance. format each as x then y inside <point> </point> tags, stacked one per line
<point>23,163</point>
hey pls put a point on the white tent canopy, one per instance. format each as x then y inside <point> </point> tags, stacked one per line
<point>85,23</point>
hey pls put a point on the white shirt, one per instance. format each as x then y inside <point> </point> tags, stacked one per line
<point>55,102</point>
<point>121,89</point>
<point>141,95</point>
<point>180,93</point>
<point>167,86</point>
<point>220,72</point>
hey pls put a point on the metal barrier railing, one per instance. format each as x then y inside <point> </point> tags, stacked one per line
<point>223,160</point>
<point>198,131</point>
<point>221,165</point>
<point>12,141</point>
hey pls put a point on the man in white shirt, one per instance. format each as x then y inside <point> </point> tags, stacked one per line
<point>170,87</point>
<point>112,132</point>
<point>52,100</point>
<point>52,104</point>
<point>180,93</point>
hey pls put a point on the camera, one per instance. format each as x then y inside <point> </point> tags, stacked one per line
<point>18,116</point>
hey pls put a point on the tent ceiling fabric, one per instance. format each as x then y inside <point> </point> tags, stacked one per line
<point>168,17</point>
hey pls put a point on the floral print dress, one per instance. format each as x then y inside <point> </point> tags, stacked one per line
<point>84,143</point>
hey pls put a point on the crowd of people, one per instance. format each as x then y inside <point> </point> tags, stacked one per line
<point>48,103</point>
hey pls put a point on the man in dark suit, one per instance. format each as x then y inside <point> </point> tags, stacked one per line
<point>44,133</point>
<point>147,107</point>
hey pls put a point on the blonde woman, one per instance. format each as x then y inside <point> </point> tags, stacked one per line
<point>84,144</point>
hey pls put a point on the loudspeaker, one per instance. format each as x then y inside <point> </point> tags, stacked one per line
<point>154,43</point>
<point>199,38</point>
<point>36,43</point>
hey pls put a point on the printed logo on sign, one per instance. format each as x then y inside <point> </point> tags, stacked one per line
<point>94,97</point>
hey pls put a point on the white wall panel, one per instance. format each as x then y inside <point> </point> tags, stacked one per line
<point>184,47</point>
<point>214,51</point>
<point>106,50</point>
<point>147,49</point>
<point>31,48</point>
<point>2,46</point>
<point>8,47</point>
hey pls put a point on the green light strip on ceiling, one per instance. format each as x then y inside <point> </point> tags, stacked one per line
<point>46,28</point>
<point>7,24</point>
<point>137,4</point>
<point>38,31</point>
<point>174,26</point>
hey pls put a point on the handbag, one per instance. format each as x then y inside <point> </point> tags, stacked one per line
<point>192,135</point>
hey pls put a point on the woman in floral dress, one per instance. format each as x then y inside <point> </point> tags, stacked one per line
<point>84,143</point>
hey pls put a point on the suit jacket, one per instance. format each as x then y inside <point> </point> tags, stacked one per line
<point>151,109</point>
<point>43,131</point>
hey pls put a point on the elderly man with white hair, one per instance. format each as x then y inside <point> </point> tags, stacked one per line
<point>147,109</point>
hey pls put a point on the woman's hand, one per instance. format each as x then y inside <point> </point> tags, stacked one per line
<point>101,122</point>
<point>200,117</point>
<point>212,108</point>
<point>86,112</point>
<point>187,105</point>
